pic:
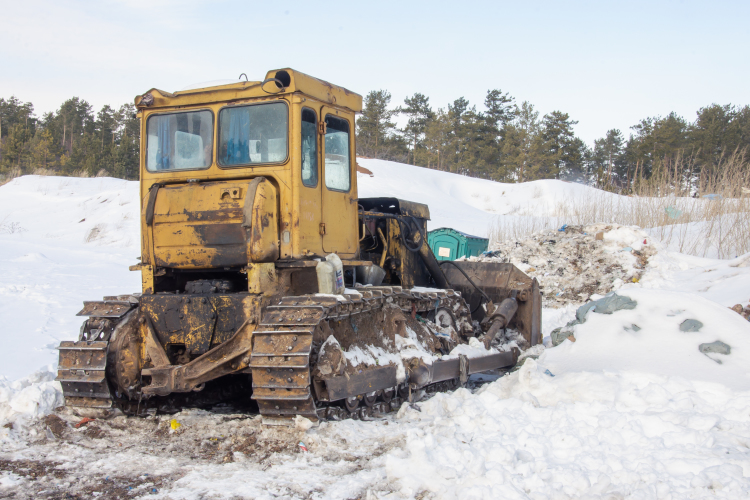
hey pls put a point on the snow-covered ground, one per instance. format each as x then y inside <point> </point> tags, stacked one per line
<point>622,412</point>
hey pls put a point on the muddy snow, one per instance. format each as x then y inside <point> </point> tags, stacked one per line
<point>632,405</point>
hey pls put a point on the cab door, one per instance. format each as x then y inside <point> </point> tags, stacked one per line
<point>338,191</point>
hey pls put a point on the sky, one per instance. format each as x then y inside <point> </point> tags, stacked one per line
<point>607,64</point>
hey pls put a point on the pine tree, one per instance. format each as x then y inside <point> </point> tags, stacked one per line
<point>608,159</point>
<point>375,125</point>
<point>563,149</point>
<point>419,112</point>
<point>42,149</point>
<point>525,155</point>
<point>500,109</point>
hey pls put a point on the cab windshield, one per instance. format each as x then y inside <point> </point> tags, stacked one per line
<point>180,141</point>
<point>253,134</point>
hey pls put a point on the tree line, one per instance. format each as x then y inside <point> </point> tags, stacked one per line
<point>509,142</point>
<point>503,141</point>
<point>73,140</point>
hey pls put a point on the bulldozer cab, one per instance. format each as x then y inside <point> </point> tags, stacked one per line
<point>241,175</point>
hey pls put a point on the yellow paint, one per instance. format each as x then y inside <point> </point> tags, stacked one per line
<point>262,279</point>
<point>198,219</point>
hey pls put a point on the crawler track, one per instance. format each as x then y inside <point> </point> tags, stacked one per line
<point>282,361</point>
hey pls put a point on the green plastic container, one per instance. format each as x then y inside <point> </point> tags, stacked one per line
<point>449,244</point>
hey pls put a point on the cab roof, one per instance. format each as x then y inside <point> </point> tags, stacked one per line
<point>277,82</point>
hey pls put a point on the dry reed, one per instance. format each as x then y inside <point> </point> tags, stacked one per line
<point>712,223</point>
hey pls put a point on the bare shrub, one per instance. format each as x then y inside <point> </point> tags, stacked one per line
<point>11,228</point>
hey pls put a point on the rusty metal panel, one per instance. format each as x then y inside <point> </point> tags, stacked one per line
<point>370,379</point>
<point>200,225</point>
<point>282,377</point>
<point>292,316</point>
<point>288,407</point>
<point>271,393</point>
<point>106,309</point>
<point>266,361</point>
<point>197,321</point>
<point>84,376</point>
<point>86,358</point>
<point>282,344</point>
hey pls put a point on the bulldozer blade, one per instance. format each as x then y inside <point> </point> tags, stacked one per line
<point>499,281</point>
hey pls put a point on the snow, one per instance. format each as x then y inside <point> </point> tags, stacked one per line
<point>619,413</point>
<point>25,400</point>
<point>73,240</point>
<point>609,342</point>
<point>575,435</point>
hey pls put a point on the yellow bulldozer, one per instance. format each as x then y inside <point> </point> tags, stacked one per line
<point>245,189</point>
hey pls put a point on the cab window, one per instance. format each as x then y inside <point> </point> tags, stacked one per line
<point>179,141</point>
<point>337,172</point>
<point>309,148</point>
<point>253,134</point>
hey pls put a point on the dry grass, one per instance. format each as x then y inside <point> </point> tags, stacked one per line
<point>717,226</point>
<point>16,172</point>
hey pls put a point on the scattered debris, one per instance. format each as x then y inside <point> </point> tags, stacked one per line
<point>302,447</point>
<point>691,325</point>
<point>174,424</point>
<point>84,421</point>
<point>606,305</point>
<point>717,347</point>
<point>673,213</point>
<point>742,311</point>
<point>580,261</point>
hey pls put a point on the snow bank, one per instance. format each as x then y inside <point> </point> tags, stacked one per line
<point>648,339</point>
<point>576,435</point>
<point>25,400</point>
<point>62,241</point>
